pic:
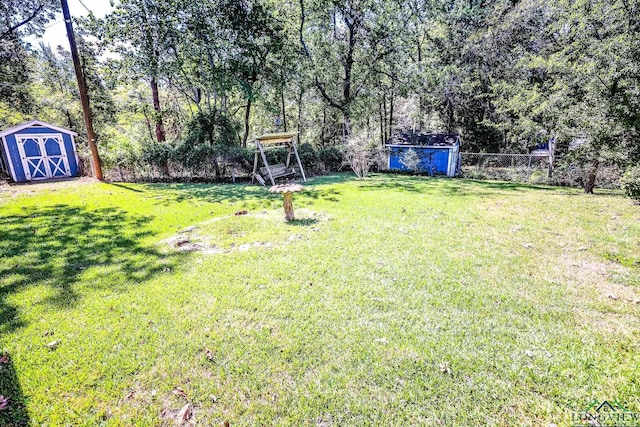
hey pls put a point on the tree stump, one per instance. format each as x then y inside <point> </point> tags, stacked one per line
<point>287,191</point>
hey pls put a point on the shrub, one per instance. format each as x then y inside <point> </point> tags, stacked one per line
<point>331,157</point>
<point>193,156</point>
<point>213,128</point>
<point>239,156</point>
<point>276,155</point>
<point>308,156</point>
<point>631,182</point>
<point>156,153</point>
<point>360,155</point>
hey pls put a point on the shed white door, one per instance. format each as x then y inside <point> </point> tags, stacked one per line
<point>43,156</point>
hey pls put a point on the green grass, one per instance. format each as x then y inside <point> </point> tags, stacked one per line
<point>390,301</point>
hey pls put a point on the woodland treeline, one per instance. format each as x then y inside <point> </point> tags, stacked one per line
<point>197,80</point>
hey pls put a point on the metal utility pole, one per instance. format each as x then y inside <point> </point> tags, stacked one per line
<point>82,86</point>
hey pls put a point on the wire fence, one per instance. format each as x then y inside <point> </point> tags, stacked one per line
<point>534,168</point>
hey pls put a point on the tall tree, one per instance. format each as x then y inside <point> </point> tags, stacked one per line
<point>345,41</point>
<point>138,31</point>
<point>19,18</point>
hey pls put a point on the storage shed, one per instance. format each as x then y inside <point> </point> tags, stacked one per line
<point>36,151</point>
<point>435,154</point>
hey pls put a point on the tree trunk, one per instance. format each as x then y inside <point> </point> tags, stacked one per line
<point>160,136</point>
<point>284,113</point>
<point>69,120</point>
<point>323,127</point>
<point>384,116</point>
<point>300,110</point>
<point>590,182</point>
<point>216,168</point>
<point>346,130</point>
<point>420,114</point>
<point>382,141</point>
<point>146,117</point>
<point>247,115</point>
<point>390,116</point>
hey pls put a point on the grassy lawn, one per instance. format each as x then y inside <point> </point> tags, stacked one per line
<point>390,301</point>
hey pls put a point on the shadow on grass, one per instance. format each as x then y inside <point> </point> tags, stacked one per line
<point>166,194</point>
<point>231,193</point>
<point>55,246</point>
<point>450,186</point>
<point>15,415</point>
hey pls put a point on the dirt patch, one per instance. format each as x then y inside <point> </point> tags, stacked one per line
<point>224,235</point>
<point>605,303</point>
<point>196,243</point>
<point>599,276</point>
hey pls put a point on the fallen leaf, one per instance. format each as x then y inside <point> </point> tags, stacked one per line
<point>4,359</point>
<point>180,392</point>
<point>185,414</point>
<point>209,354</point>
<point>53,345</point>
<point>4,403</point>
<point>226,424</point>
<point>444,368</point>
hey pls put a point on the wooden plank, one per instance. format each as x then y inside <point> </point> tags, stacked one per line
<point>281,135</point>
<point>266,163</point>
<point>274,141</point>
<point>277,171</point>
<point>255,164</point>
<point>295,151</point>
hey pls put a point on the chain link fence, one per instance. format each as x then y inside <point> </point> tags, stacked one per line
<point>534,168</point>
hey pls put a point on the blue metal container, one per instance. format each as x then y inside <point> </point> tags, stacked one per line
<point>434,154</point>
